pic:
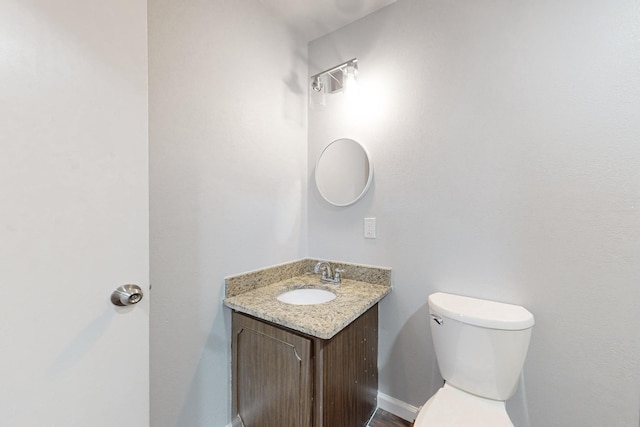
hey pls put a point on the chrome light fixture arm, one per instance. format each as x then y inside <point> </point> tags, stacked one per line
<point>336,73</point>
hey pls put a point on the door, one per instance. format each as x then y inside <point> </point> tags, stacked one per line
<point>73,213</point>
<point>272,375</point>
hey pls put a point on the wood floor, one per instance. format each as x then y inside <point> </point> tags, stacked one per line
<point>386,419</point>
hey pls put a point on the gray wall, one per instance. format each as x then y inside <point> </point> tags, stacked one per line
<point>228,185</point>
<point>506,143</point>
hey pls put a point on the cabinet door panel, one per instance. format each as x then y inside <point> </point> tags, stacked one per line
<point>273,375</point>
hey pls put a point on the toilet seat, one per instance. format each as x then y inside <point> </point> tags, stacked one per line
<point>451,407</point>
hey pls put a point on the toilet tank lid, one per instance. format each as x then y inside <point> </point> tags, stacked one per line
<point>483,313</point>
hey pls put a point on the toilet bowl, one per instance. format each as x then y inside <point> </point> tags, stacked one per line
<point>480,349</point>
<point>451,407</point>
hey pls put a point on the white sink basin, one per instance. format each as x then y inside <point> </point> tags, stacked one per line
<point>306,296</point>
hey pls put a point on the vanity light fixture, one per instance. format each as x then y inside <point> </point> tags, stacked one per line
<point>341,78</point>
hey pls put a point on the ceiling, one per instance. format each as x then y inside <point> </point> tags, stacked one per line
<point>314,18</point>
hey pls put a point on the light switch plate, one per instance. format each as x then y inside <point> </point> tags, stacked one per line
<point>370,228</point>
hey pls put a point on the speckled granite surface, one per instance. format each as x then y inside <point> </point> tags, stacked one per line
<point>245,282</point>
<point>255,293</point>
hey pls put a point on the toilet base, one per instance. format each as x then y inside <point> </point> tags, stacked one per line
<point>451,407</point>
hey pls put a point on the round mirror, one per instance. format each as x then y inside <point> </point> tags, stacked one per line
<point>343,172</point>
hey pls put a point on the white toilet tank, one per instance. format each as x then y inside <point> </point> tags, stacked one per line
<point>480,345</point>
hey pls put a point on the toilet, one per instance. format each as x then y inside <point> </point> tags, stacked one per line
<point>480,348</point>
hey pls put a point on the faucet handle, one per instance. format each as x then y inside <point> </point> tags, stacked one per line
<point>339,271</point>
<point>321,264</point>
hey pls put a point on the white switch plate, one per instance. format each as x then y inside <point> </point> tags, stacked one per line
<point>370,228</point>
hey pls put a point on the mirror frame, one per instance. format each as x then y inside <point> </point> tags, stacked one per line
<point>369,177</point>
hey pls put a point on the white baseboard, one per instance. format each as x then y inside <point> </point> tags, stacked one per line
<point>397,407</point>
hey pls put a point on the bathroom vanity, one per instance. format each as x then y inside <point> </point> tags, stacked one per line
<point>284,378</point>
<point>305,365</point>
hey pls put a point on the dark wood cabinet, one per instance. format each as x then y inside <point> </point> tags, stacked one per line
<point>283,378</point>
<point>273,375</point>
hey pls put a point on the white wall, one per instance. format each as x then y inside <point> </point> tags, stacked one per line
<point>228,185</point>
<point>505,138</point>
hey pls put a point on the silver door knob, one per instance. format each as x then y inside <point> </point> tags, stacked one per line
<point>126,295</point>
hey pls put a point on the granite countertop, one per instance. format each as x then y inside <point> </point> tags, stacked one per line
<point>353,298</point>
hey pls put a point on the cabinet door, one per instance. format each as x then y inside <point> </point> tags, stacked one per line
<point>272,375</point>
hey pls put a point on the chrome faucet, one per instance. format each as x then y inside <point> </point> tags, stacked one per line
<point>327,273</point>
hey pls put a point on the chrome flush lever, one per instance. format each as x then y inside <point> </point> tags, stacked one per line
<point>437,319</point>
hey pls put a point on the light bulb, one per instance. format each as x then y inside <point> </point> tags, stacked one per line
<point>317,99</point>
<point>350,84</point>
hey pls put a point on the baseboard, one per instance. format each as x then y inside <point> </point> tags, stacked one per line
<point>397,407</point>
